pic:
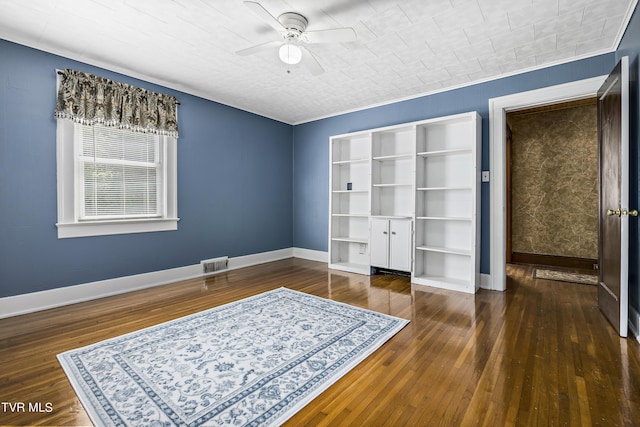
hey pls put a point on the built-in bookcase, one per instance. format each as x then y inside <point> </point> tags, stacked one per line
<point>418,183</point>
<point>393,160</point>
<point>447,203</point>
<point>350,203</point>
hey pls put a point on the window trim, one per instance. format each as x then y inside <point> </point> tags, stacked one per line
<point>70,226</point>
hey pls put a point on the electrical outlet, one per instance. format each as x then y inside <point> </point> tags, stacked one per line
<point>363,248</point>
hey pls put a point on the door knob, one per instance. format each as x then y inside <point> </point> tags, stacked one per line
<point>620,212</point>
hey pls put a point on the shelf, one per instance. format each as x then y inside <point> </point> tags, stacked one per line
<point>392,185</point>
<point>442,218</point>
<point>394,157</point>
<point>351,267</point>
<point>445,152</point>
<point>351,215</point>
<point>391,216</point>
<point>462,252</point>
<point>445,280</point>
<point>443,188</point>
<point>349,239</point>
<point>349,191</point>
<point>350,161</point>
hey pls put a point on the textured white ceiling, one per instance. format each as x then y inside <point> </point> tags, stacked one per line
<point>404,48</point>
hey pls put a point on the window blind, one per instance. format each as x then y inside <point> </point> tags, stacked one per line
<point>120,173</point>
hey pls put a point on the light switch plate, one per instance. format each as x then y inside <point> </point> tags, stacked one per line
<point>485,176</point>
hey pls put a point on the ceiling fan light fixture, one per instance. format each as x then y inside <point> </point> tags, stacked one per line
<point>290,53</point>
<point>292,27</point>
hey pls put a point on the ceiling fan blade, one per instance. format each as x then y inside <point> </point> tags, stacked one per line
<point>265,15</point>
<point>310,62</point>
<point>336,35</point>
<point>259,48</point>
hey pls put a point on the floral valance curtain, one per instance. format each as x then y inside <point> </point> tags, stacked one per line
<point>88,99</point>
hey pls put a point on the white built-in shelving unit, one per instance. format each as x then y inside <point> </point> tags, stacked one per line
<point>350,202</point>
<point>393,180</point>
<point>406,198</point>
<point>447,203</point>
<point>392,174</point>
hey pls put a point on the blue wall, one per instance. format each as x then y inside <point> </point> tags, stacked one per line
<point>234,185</point>
<point>630,46</point>
<point>235,170</point>
<point>311,141</point>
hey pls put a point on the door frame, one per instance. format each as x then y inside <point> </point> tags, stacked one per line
<point>498,107</point>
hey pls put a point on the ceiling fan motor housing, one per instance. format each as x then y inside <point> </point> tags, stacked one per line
<point>294,22</point>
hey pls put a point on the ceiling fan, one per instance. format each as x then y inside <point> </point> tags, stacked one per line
<point>292,27</point>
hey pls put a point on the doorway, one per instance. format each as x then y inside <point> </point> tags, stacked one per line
<point>498,108</point>
<point>552,185</point>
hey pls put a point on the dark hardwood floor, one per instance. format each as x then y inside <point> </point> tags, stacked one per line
<point>539,354</point>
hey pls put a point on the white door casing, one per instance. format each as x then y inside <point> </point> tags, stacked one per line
<point>498,107</point>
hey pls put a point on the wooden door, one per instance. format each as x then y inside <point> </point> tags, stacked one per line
<point>380,242</point>
<point>613,162</point>
<point>508,177</point>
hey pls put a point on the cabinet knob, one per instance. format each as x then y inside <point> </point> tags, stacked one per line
<point>393,232</point>
<point>384,232</point>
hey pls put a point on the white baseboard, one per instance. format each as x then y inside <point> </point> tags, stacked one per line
<point>260,258</point>
<point>486,281</point>
<point>43,300</point>
<point>311,255</point>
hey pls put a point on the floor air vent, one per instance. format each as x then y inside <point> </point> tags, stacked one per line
<point>214,265</point>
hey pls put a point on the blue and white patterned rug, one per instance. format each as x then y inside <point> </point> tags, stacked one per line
<point>256,361</point>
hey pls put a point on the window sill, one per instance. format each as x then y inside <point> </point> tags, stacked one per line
<point>104,228</point>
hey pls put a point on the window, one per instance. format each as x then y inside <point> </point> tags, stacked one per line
<point>119,174</point>
<point>116,158</point>
<point>114,181</point>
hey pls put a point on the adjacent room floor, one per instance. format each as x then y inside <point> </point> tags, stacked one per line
<point>540,353</point>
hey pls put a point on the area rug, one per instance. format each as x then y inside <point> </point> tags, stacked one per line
<point>256,361</point>
<point>563,276</point>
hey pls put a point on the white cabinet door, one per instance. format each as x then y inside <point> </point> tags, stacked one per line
<point>391,243</point>
<point>400,245</point>
<point>380,243</point>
